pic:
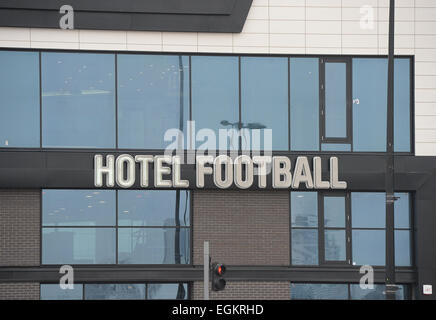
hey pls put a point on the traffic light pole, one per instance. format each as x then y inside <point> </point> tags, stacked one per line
<point>206,270</point>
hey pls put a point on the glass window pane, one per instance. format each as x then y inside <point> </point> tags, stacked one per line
<point>78,246</point>
<point>369,247</point>
<point>153,96</point>
<point>370,80</point>
<point>368,209</point>
<point>402,210</point>
<point>121,291</point>
<point>377,293</point>
<point>152,208</point>
<point>335,147</point>
<point>402,105</point>
<point>304,209</point>
<point>304,246</point>
<point>304,86</point>
<point>312,291</point>
<point>153,246</point>
<point>334,212</point>
<point>177,291</point>
<point>402,248</point>
<point>78,207</point>
<point>264,99</point>
<point>335,100</point>
<point>19,92</point>
<point>55,292</point>
<point>78,100</point>
<point>215,95</point>
<point>335,249</point>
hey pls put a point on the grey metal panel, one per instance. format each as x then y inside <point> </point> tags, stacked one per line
<point>188,20</point>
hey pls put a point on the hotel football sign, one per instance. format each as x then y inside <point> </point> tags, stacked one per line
<point>242,172</point>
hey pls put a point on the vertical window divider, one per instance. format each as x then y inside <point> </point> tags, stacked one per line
<point>116,226</point>
<point>190,134</point>
<point>321,229</point>
<point>289,104</point>
<point>116,99</point>
<point>40,100</point>
<point>348,227</point>
<point>240,106</point>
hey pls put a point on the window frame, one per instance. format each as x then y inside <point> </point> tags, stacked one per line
<point>116,227</point>
<point>332,57</point>
<point>322,102</point>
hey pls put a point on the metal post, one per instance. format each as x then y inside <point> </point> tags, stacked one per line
<point>206,270</point>
<point>390,249</point>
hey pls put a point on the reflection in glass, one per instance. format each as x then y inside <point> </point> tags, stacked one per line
<point>78,207</point>
<point>177,291</point>
<point>78,100</point>
<point>55,292</point>
<point>402,105</point>
<point>19,92</point>
<point>369,247</point>
<point>153,96</point>
<point>264,100</point>
<point>215,95</point>
<point>309,291</point>
<point>304,94</point>
<point>402,210</point>
<point>335,100</point>
<point>78,246</point>
<point>121,291</point>
<point>335,248</point>
<point>377,293</point>
<point>304,246</point>
<point>153,245</point>
<point>152,208</point>
<point>334,212</point>
<point>402,248</point>
<point>304,209</point>
<point>368,209</point>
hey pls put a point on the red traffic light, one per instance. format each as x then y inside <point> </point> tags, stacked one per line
<point>218,282</point>
<point>219,269</point>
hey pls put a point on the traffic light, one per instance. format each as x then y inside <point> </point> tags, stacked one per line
<point>218,282</point>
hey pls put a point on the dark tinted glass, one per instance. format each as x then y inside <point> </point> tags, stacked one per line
<point>369,247</point>
<point>153,246</point>
<point>153,96</point>
<point>264,99</point>
<point>304,86</point>
<point>304,246</point>
<point>309,291</point>
<point>78,246</point>
<point>114,291</point>
<point>368,209</point>
<point>402,210</point>
<point>335,245</point>
<point>215,96</point>
<point>304,209</point>
<point>167,291</point>
<point>55,292</point>
<point>402,105</point>
<point>19,104</point>
<point>78,100</point>
<point>402,248</point>
<point>153,208</point>
<point>334,212</point>
<point>335,100</point>
<point>78,207</point>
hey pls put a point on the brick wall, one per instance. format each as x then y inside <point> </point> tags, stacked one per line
<point>251,290</point>
<point>19,228</point>
<point>19,291</point>
<point>254,227</point>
